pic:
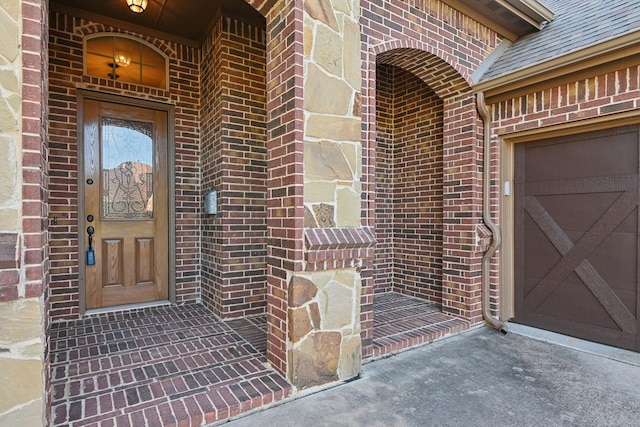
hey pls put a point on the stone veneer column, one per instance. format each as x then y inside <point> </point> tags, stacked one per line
<point>324,341</point>
<point>22,242</point>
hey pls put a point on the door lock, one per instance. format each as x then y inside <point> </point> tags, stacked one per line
<point>91,255</point>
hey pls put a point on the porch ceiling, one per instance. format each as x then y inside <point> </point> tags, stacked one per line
<point>185,19</point>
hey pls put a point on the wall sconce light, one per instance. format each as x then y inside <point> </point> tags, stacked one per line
<point>137,6</point>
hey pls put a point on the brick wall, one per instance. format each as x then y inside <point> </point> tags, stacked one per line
<point>234,162</point>
<point>594,94</point>
<point>384,215</point>
<point>65,77</point>
<point>442,47</point>
<point>285,178</point>
<point>409,183</point>
<point>211,152</point>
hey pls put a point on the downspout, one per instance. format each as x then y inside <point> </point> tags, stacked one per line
<point>496,240</point>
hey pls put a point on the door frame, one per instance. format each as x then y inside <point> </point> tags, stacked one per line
<point>82,95</point>
<point>507,174</point>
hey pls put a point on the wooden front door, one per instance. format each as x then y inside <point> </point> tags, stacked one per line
<point>125,204</point>
<point>576,236</point>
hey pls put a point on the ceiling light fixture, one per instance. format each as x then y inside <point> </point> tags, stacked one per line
<point>137,6</point>
<point>121,60</point>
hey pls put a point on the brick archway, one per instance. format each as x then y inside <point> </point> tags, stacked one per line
<point>461,207</point>
<point>440,70</point>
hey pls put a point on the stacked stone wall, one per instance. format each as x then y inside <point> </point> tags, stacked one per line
<point>324,342</point>
<point>23,212</point>
<point>65,77</point>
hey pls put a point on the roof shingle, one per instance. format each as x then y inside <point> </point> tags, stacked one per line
<point>578,24</point>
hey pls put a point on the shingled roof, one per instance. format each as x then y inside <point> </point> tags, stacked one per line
<point>578,24</point>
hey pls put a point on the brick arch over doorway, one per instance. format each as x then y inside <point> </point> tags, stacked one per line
<point>453,262</point>
<point>88,28</point>
<point>443,76</point>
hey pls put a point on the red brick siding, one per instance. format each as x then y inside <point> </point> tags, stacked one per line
<point>384,215</point>
<point>586,98</point>
<point>462,208</point>
<point>285,168</point>
<point>409,183</point>
<point>65,76</point>
<point>234,162</point>
<point>443,48</point>
<point>24,274</point>
<point>211,160</point>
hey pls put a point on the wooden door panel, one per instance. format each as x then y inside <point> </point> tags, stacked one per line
<point>125,173</point>
<point>144,261</point>
<point>577,227</point>
<point>112,258</point>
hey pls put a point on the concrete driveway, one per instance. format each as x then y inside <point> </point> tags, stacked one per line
<point>477,378</point>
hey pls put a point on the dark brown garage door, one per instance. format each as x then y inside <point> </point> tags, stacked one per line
<point>576,236</point>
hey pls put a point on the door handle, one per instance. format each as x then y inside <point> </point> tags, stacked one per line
<point>90,231</point>
<point>91,256</point>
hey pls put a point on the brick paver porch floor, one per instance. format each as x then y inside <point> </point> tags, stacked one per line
<point>158,366</point>
<point>400,321</point>
<point>173,365</point>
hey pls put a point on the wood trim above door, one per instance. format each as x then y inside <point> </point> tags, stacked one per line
<point>82,96</point>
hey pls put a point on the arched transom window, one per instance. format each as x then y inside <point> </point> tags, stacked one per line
<point>123,58</point>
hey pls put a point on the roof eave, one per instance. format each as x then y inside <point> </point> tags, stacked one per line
<point>531,10</point>
<point>609,50</point>
<point>531,15</point>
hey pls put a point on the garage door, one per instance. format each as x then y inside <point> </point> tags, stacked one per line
<point>576,236</point>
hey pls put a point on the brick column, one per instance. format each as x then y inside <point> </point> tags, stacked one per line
<point>318,247</point>
<point>285,178</point>
<point>462,165</point>
<point>234,152</point>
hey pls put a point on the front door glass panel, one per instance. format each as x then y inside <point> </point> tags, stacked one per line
<point>127,170</point>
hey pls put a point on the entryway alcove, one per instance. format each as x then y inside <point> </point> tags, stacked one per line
<point>409,213</point>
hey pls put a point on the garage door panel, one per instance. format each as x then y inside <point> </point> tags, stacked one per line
<point>628,298</point>
<point>576,225</point>
<point>629,224</point>
<point>616,261</point>
<point>574,301</point>
<point>593,156</point>
<point>581,330</point>
<point>576,213</point>
<point>547,256</point>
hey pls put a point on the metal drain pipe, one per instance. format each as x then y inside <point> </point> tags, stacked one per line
<point>496,240</point>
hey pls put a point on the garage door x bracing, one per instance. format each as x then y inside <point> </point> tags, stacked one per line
<point>576,235</point>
